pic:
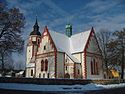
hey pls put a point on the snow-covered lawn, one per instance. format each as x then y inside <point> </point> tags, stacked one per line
<point>35,87</point>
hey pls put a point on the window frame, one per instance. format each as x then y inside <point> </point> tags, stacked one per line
<point>31,72</point>
<point>94,67</point>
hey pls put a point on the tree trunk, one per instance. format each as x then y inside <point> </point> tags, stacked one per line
<point>122,62</point>
<point>2,60</point>
<point>106,65</point>
<point>122,67</point>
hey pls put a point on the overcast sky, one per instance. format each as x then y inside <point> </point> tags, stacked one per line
<point>82,14</point>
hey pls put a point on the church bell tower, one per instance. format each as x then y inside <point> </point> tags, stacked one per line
<point>32,47</point>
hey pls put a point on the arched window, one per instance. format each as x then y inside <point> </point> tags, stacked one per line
<point>38,41</point>
<point>67,75</point>
<point>46,65</point>
<point>97,69</point>
<point>39,75</point>
<point>66,67</point>
<point>42,65</point>
<point>44,47</point>
<point>94,67</point>
<point>31,72</point>
<point>78,71</point>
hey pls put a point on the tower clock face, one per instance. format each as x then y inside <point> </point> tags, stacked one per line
<point>33,38</point>
<point>45,33</point>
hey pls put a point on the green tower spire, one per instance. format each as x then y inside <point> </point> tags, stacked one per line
<point>69,30</point>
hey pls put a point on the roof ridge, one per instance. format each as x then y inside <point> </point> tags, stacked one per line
<point>81,32</point>
<point>58,33</point>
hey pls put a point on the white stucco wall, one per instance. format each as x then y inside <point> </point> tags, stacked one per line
<point>29,54</point>
<point>80,57</point>
<point>100,70</point>
<point>60,65</point>
<point>78,71</point>
<point>93,52</point>
<point>45,54</point>
<point>93,46</point>
<point>45,42</point>
<point>83,66</point>
<point>28,72</point>
<point>70,66</point>
<point>50,73</point>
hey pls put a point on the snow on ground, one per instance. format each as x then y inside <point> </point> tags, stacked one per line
<point>112,86</point>
<point>35,87</point>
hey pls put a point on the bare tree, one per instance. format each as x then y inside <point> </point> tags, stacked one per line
<point>104,37</point>
<point>11,25</point>
<point>117,47</point>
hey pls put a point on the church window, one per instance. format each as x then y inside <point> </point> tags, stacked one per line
<point>94,67</point>
<point>78,71</point>
<point>46,65</point>
<point>43,75</point>
<point>66,67</point>
<point>39,75</point>
<point>38,41</point>
<point>97,70</point>
<point>66,60</point>
<point>48,75</point>
<point>42,65</point>
<point>44,47</point>
<point>31,72</point>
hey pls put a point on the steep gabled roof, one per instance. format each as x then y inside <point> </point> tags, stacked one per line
<point>61,41</point>
<point>76,43</point>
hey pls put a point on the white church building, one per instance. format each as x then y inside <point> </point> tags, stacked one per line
<point>55,55</point>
